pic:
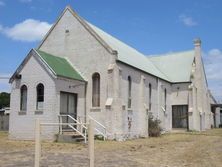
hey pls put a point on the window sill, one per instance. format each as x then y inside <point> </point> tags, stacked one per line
<point>95,109</point>
<point>22,113</point>
<point>38,112</point>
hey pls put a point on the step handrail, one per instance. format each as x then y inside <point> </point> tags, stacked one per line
<point>96,121</point>
<point>101,125</point>
<point>82,126</point>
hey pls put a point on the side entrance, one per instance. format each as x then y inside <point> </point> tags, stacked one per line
<point>68,106</point>
<point>180,116</point>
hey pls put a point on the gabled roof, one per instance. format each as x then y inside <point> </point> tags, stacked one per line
<point>125,53</point>
<point>60,66</point>
<point>180,72</point>
<point>56,65</point>
<point>129,55</point>
<point>176,66</point>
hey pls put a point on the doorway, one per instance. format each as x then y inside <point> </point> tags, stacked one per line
<point>68,106</point>
<point>180,116</point>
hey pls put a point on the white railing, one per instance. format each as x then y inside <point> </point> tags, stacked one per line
<point>80,128</point>
<point>98,127</point>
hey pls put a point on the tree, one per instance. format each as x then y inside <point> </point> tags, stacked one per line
<point>4,100</point>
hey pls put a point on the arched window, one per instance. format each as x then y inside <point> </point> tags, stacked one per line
<point>165,98</point>
<point>129,91</point>
<point>96,90</point>
<point>150,96</point>
<point>40,96</point>
<point>23,98</point>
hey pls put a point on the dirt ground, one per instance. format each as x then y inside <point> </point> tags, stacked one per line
<point>170,150</point>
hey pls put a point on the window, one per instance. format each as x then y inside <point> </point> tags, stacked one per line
<point>23,98</point>
<point>165,98</point>
<point>40,96</point>
<point>129,91</point>
<point>96,90</point>
<point>150,96</point>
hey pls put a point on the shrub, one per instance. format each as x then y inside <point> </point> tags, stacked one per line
<point>154,126</point>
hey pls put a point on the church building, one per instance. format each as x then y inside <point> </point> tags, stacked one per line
<point>79,72</point>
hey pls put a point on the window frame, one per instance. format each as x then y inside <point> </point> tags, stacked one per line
<point>165,99</point>
<point>40,98</point>
<point>23,108</point>
<point>96,79</point>
<point>129,93</point>
<point>150,96</point>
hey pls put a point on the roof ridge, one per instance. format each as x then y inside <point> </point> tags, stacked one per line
<point>130,47</point>
<point>177,67</point>
<point>85,25</point>
<point>162,72</point>
<point>67,59</point>
<point>169,54</point>
<point>110,43</point>
<point>36,51</point>
<point>60,66</point>
<point>90,24</point>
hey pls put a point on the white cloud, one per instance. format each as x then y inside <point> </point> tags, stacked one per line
<point>2,3</point>
<point>213,64</point>
<point>187,21</point>
<point>29,30</point>
<point>25,1</point>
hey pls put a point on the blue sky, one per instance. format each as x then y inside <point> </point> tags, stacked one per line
<point>150,26</point>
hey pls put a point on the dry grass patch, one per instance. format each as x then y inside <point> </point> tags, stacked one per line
<point>193,149</point>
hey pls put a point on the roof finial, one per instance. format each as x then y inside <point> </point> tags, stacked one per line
<point>197,42</point>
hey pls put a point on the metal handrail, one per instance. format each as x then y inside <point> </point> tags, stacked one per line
<point>96,121</point>
<point>82,126</point>
<point>101,125</point>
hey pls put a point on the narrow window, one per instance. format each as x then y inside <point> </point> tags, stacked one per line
<point>40,96</point>
<point>23,98</point>
<point>96,90</point>
<point>165,98</point>
<point>150,96</point>
<point>129,91</point>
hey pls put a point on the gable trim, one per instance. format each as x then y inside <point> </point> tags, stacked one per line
<point>45,63</point>
<point>21,66</point>
<point>85,25</point>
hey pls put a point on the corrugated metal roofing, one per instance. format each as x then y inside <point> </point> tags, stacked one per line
<point>60,66</point>
<point>129,55</point>
<point>176,66</point>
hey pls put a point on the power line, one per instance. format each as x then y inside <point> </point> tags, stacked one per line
<point>4,77</point>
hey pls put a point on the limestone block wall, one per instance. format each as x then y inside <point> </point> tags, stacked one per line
<point>22,125</point>
<point>137,114</point>
<point>180,94</point>
<point>86,54</point>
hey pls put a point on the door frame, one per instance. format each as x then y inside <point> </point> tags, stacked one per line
<point>75,107</point>
<point>187,116</point>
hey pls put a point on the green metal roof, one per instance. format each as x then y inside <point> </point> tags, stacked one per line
<point>176,66</point>
<point>60,66</point>
<point>129,55</point>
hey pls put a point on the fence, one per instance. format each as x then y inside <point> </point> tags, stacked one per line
<point>38,126</point>
<point>4,122</point>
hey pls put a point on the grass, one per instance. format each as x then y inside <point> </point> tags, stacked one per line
<point>198,149</point>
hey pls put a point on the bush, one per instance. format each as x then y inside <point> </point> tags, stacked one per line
<point>154,126</point>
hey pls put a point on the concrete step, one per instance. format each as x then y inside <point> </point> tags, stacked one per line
<point>69,137</point>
